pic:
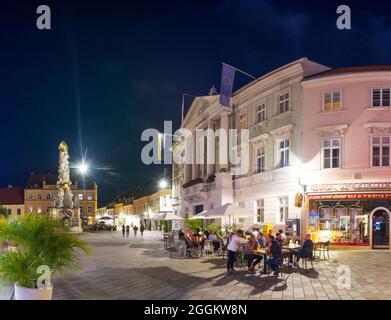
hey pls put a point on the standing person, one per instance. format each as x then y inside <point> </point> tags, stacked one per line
<point>135,228</point>
<point>142,229</point>
<point>234,246</point>
<point>127,231</point>
<point>123,231</point>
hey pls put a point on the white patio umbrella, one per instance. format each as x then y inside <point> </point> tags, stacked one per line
<point>200,216</point>
<point>172,216</point>
<point>229,211</point>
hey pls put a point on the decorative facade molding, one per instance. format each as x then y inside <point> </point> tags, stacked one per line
<point>378,128</point>
<point>282,131</point>
<point>332,131</point>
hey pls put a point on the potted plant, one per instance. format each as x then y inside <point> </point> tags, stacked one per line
<point>44,247</point>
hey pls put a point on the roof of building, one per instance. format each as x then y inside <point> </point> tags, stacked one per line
<point>11,196</point>
<point>347,70</point>
<point>35,181</point>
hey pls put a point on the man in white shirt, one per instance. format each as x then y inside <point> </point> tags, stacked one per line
<point>234,246</point>
<point>255,232</point>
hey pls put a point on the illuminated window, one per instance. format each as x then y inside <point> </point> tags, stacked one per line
<point>332,101</point>
<point>283,151</point>
<point>39,210</point>
<point>283,104</point>
<point>260,210</point>
<point>331,153</point>
<point>242,121</point>
<point>261,112</point>
<point>381,151</point>
<point>283,208</point>
<point>89,197</point>
<point>80,196</point>
<point>381,97</point>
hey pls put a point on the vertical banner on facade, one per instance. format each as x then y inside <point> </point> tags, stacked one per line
<point>160,145</point>
<point>227,81</point>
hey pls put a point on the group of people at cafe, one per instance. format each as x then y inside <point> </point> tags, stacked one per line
<point>254,242</point>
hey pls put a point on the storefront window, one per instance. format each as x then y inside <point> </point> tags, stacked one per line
<point>342,223</point>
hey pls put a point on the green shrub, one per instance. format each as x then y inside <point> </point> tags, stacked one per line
<point>40,241</point>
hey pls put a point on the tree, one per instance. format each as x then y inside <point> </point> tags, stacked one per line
<point>4,212</point>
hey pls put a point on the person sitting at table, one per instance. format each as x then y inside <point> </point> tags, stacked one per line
<point>306,250</point>
<point>189,234</point>
<point>252,258</point>
<point>274,249</point>
<point>255,232</point>
<point>279,239</point>
<point>268,235</point>
<point>261,240</point>
<point>283,235</point>
<point>234,246</point>
<point>215,240</point>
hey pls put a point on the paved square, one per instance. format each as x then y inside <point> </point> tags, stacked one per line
<point>140,268</point>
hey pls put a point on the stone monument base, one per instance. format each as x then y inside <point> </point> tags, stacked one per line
<point>70,218</point>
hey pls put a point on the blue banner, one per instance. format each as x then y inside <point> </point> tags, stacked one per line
<point>227,81</point>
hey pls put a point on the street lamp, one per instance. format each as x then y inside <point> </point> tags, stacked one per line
<point>83,168</point>
<point>163,184</point>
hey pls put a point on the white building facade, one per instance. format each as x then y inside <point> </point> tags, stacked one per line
<point>271,108</point>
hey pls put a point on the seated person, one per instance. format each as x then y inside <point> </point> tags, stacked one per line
<point>279,239</point>
<point>283,236</point>
<point>274,249</point>
<point>252,259</point>
<point>306,250</point>
<point>215,241</point>
<point>261,240</point>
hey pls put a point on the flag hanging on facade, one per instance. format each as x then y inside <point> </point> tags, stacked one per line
<point>160,146</point>
<point>227,81</point>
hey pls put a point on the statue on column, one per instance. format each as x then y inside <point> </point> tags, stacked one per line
<point>65,196</point>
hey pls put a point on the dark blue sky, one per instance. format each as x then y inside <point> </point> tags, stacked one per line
<point>110,69</point>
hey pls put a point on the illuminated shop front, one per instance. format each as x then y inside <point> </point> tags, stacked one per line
<point>350,218</point>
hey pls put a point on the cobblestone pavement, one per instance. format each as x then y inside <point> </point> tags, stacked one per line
<point>140,268</point>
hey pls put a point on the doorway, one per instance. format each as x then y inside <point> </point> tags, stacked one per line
<point>380,228</point>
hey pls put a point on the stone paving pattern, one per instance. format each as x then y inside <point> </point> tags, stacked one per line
<point>140,268</point>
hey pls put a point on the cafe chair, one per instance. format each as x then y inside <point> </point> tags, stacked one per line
<point>323,248</point>
<point>304,261</point>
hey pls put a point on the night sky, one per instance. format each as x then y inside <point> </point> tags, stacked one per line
<point>110,69</point>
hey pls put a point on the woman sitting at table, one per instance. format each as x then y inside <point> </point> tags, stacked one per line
<point>252,258</point>
<point>215,240</point>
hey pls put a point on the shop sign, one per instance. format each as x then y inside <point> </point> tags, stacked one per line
<point>350,187</point>
<point>353,196</point>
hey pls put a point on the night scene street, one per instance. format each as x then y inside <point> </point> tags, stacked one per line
<point>195,155</point>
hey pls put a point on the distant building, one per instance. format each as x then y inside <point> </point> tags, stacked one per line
<point>13,200</point>
<point>41,191</point>
<point>145,205</point>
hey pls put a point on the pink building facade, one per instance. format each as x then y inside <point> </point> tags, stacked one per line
<point>346,167</point>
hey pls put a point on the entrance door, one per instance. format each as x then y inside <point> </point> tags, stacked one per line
<point>380,230</point>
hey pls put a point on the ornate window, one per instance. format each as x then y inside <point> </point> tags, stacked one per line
<point>283,151</point>
<point>283,103</point>
<point>283,208</point>
<point>261,112</point>
<point>381,151</point>
<point>242,121</point>
<point>260,160</point>
<point>331,153</point>
<point>260,207</point>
